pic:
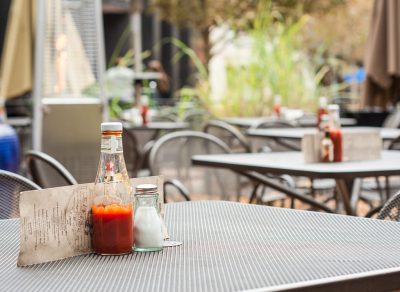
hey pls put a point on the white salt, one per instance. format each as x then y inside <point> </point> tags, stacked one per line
<point>148,228</point>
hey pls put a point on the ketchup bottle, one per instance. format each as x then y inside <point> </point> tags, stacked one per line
<point>335,132</point>
<point>144,109</point>
<point>322,110</point>
<point>277,106</point>
<point>112,212</point>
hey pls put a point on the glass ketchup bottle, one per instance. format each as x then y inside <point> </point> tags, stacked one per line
<point>335,132</point>
<point>277,108</point>
<point>144,110</point>
<point>112,213</point>
<point>322,110</point>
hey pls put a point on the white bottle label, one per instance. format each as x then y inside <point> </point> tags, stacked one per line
<point>111,145</point>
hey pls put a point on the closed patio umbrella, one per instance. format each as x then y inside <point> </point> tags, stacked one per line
<point>16,59</point>
<point>382,59</point>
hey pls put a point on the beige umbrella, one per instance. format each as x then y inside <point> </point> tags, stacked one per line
<point>382,60</point>
<point>16,60</point>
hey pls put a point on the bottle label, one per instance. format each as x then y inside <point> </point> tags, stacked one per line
<point>111,145</point>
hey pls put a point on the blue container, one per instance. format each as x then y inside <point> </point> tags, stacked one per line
<point>9,149</point>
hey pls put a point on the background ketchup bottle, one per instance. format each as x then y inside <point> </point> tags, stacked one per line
<point>335,132</point>
<point>144,110</point>
<point>277,108</point>
<point>322,110</point>
<point>337,141</point>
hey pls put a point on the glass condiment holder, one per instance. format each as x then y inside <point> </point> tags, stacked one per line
<point>112,216</point>
<point>148,225</point>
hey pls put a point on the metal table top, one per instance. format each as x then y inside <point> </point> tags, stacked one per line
<point>292,163</point>
<point>228,247</point>
<point>247,122</point>
<point>298,133</point>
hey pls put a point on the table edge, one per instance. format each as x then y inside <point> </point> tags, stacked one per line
<point>307,173</point>
<point>344,282</point>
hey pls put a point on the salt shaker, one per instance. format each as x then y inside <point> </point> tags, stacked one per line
<point>147,220</point>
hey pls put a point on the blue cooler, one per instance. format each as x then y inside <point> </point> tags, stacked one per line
<point>9,149</point>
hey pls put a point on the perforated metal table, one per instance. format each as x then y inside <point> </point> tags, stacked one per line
<point>229,247</point>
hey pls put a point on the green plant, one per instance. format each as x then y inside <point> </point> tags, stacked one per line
<point>277,65</point>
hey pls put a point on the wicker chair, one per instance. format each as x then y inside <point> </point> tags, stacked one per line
<point>268,123</point>
<point>11,185</point>
<point>46,171</point>
<point>171,155</point>
<point>196,118</point>
<point>236,141</point>
<point>276,144</point>
<point>391,209</point>
<point>388,211</point>
<point>132,154</point>
<point>381,189</point>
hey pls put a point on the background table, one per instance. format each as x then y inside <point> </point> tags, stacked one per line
<point>229,247</point>
<point>292,163</point>
<point>247,122</point>
<point>387,134</point>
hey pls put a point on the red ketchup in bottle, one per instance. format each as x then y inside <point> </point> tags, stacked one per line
<point>337,141</point>
<point>335,132</point>
<point>112,229</point>
<point>111,211</point>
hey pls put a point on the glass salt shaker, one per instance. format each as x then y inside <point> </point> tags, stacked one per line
<point>147,220</point>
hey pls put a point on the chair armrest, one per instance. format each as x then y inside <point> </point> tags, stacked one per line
<point>177,185</point>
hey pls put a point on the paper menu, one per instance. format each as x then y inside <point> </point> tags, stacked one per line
<point>54,223</point>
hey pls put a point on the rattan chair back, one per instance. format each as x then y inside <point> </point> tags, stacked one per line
<point>132,154</point>
<point>171,156</point>
<point>196,119</point>
<point>11,185</point>
<point>391,209</point>
<point>46,171</point>
<point>268,123</point>
<point>236,141</point>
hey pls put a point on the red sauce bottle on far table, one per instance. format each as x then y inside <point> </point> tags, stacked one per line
<point>277,108</point>
<point>144,110</point>
<point>322,110</point>
<point>112,213</point>
<point>335,132</point>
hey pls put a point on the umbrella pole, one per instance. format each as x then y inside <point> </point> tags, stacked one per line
<point>38,75</point>
<point>101,60</point>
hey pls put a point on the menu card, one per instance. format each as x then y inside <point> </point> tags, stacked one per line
<point>54,223</point>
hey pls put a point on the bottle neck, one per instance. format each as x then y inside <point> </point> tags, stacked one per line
<point>111,142</point>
